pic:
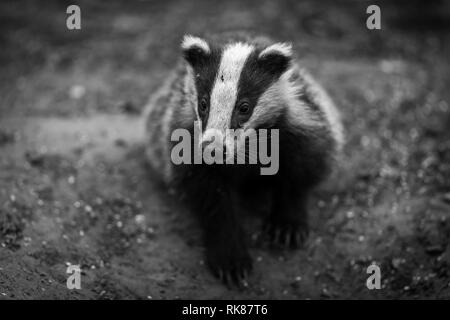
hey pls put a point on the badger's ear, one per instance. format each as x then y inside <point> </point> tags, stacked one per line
<point>195,49</point>
<point>276,57</point>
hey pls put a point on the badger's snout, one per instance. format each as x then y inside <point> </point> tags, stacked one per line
<point>217,144</point>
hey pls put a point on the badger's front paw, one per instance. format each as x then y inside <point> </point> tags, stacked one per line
<point>286,233</point>
<point>230,262</point>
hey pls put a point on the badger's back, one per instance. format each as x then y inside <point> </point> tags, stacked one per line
<point>159,118</point>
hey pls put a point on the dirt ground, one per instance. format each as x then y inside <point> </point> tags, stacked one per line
<point>75,189</point>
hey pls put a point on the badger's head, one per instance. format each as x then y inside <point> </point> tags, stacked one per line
<point>238,85</point>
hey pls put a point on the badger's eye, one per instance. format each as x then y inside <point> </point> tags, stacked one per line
<point>203,105</point>
<point>244,107</point>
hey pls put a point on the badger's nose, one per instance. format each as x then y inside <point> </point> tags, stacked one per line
<point>214,145</point>
<point>224,149</point>
<point>206,141</point>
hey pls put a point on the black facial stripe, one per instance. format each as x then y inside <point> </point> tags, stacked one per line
<point>254,80</point>
<point>205,73</point>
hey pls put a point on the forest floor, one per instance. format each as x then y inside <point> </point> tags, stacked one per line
<point>75,189</point>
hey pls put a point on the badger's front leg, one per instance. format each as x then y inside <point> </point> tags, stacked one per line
<point>215,205</point>
<point>226,251</point>
<point>287,224</point>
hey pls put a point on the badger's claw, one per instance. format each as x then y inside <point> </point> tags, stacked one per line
<point>286,235</point>
<point>232,267</point>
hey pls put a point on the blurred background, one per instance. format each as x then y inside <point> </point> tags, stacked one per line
<point>74,187</point>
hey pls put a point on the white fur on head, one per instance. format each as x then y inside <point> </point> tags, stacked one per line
<point>191,93</point>
<point>190,42</point>
<point>286,93</point>
<point>280,48</point>
<point>224,91</point>
<point>282,94</point>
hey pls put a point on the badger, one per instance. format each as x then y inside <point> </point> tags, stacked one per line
<point>238,81</point>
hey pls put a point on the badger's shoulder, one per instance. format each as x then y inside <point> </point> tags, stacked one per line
<point>173,100</point>
<point>305,103</point>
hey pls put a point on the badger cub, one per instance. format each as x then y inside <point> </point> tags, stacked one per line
<point>242,82</point>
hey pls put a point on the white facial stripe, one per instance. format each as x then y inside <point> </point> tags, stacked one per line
<point>191,41</point>
<point>284,49</point>
<point>223,95</point>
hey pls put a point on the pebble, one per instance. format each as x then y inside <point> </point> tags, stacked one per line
<point>71,180</point>
<point>139,219</point>
<point>77,91</point>
<point>396,262</point>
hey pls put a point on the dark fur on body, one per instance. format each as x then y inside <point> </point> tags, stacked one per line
<point>216,193</point>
